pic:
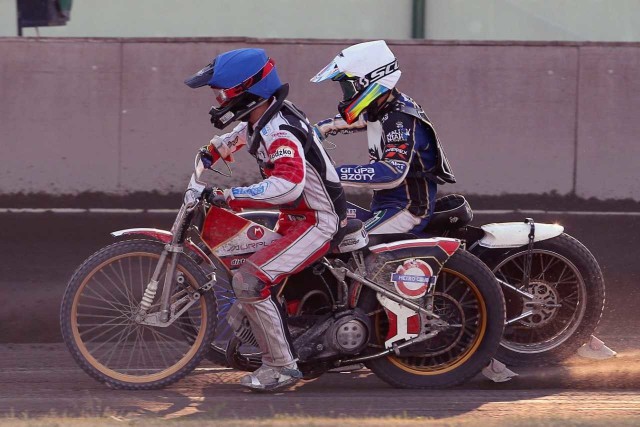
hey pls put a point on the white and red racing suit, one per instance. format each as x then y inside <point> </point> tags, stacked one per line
<point>300,180</point>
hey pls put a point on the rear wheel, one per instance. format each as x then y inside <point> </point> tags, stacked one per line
<point>467,297</point>
<point>98,318</point>
<point>568,290</point>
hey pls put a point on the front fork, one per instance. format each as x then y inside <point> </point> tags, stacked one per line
<point>172,251</point>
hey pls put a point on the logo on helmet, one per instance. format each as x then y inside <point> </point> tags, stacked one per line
<point>378,73</point>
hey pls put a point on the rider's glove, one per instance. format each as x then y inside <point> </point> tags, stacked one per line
<point>215,196</point>
<point>318,133</point>
<point>206,157</point>
<point>211,152</point>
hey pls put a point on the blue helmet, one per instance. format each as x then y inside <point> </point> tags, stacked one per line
<point>243,80</point>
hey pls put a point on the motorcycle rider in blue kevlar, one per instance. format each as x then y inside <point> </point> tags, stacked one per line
<point>299,179</point>
<point>407,161</point>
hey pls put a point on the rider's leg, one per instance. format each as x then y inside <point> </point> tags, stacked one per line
<point>388,221</point>
<point>302,244</point>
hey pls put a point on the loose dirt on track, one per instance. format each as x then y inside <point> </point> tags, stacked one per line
<point>42,386</point>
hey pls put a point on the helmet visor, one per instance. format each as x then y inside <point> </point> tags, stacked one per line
<point>201,78</point>
<point>221,95</point>
<point>349,88</point>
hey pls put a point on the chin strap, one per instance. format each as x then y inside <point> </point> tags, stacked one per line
<point>280,95</point>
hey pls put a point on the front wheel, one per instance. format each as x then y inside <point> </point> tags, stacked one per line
<point>568,291</point>
<point>100,326</point>
<point>469,299</point>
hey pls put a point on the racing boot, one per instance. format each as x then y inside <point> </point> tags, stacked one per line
<point>272,378</point>
<point>279,369</point>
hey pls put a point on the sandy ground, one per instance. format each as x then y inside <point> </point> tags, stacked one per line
<point>39,383</point>
<point>42,381</point>
<point>39,252</point>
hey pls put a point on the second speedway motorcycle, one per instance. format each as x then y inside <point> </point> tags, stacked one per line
<point>553,285</point>
<point>142,313</point>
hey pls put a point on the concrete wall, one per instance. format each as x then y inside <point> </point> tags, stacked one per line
<point>113,115</point>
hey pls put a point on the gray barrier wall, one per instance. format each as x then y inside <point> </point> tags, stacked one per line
<point>112,115</point>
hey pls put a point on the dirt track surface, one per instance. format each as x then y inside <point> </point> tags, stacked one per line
<point>43,380</point>
<point>41,251</point>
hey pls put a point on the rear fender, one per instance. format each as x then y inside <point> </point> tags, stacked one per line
<point>516,234</point>
<point>393,265</point>
<point>165,237</point>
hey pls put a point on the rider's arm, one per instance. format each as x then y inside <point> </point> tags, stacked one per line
<point>228,143</point>
<point>336,125</point>
<point>286,171</point>
<point>393,166</point>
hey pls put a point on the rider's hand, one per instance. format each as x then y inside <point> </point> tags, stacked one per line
<point>206,157</point>
<point>318,133</point>
<point>215,196</point>
<point>211,152</point>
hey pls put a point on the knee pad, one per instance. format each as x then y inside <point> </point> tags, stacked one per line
<point>247,285</point>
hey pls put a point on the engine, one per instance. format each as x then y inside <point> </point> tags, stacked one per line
<point>342,333</point>
<point>314,336</point>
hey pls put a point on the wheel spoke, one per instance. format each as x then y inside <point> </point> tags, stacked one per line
<point>150,355</point>
<point>104,307</point>
<point>111,352</point>
<point>115,286</point>
<point>99,297</point>
<point>98,325</point>
<point>97,307</point>
<point>123,288</point>
<point>160,339</point>
<point>133,348</point>
<point>114,299</point>
<point>160,352</point>
<point>102,333</point>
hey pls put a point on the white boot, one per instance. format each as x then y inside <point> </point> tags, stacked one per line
<point>272,378</point>
<point>498,372</point>
<point>595,349</point>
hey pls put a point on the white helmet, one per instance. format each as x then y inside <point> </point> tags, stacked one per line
<point>365,71</point>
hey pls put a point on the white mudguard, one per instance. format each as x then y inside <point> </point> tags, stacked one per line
<point>514,234</point>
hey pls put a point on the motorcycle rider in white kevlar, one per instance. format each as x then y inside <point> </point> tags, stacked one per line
<point>407,161</point>
<point>299,179</point>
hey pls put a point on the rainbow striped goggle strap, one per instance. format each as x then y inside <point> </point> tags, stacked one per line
<point>355,108</point>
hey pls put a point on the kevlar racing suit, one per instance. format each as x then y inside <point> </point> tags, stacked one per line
<point>299,179</point>
<point>407,163</point>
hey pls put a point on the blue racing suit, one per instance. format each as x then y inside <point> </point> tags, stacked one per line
<point>406,165</point>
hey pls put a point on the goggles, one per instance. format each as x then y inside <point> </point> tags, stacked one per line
<point>223,96</point>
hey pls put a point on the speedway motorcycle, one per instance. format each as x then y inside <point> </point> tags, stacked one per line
<point>553,285</point>
<point>142,313</point>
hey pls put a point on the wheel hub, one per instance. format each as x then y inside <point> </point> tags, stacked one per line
<point>543,306</point>
<point>351,335</point>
